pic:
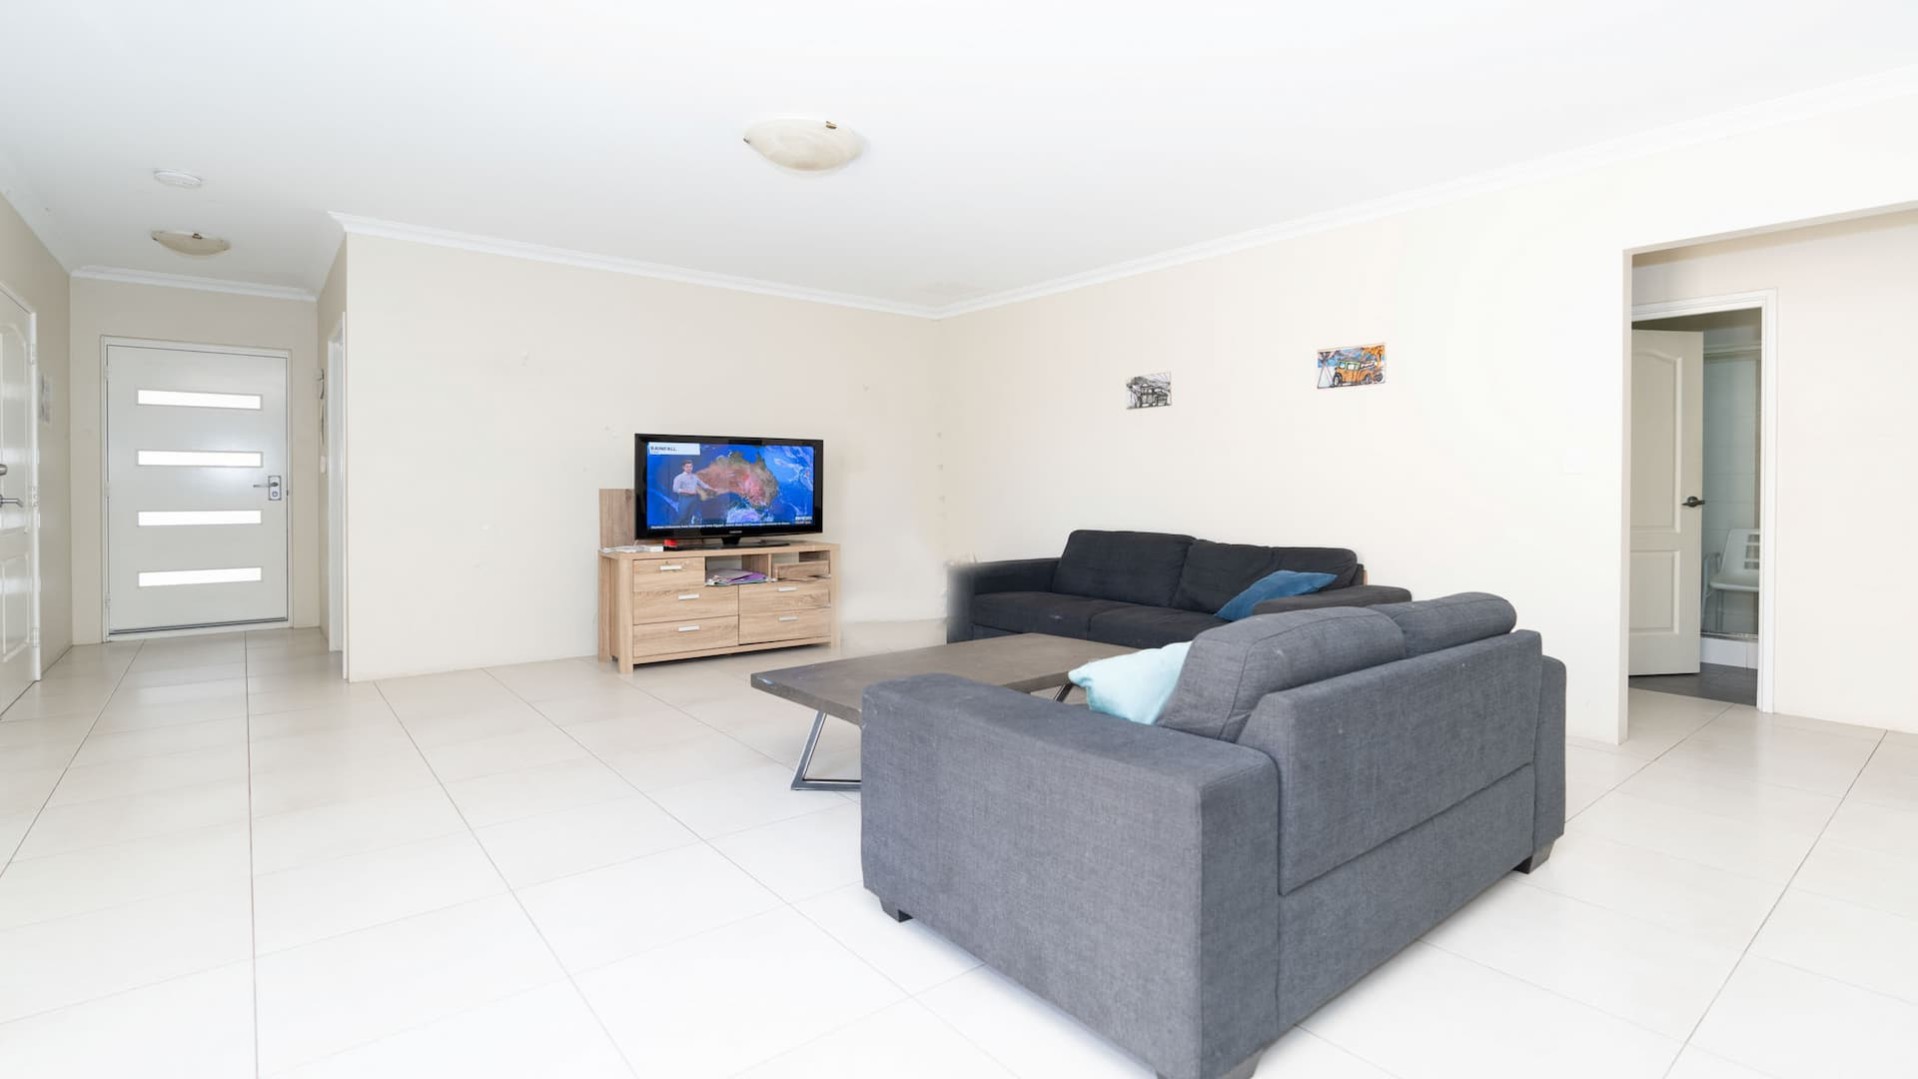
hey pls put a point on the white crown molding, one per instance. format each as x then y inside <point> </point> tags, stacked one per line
<point>490,245</point>
<point>1855,93</point>
<point>202,284</point>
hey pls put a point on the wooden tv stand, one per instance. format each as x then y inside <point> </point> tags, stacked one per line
<point>656,605</point>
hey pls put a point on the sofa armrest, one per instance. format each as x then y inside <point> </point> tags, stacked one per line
<point>1548,815</point>
<point>1358,595</point>
<point>1127,873</point>
<point>968,579</point>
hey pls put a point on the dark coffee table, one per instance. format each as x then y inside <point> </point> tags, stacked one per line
<point>1025,662</point>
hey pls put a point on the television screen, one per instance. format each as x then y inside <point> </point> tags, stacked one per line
<point>691,485</point>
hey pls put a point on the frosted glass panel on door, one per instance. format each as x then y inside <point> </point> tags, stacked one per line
<point>164,578</point>
<point>199,459</point>
<point>179,518</point>
<point>182,399</point>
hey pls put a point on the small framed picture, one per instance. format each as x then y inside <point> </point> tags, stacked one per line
<point>1360,365</point>
<point>1149,391</point>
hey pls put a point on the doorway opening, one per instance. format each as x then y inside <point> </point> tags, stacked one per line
<point>1699,605</point>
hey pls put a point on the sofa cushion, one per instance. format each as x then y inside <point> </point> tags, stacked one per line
<point>1279,584</point>
<point>1374,753</point>
<point>1449,621</point>
<point>1133,686</point>
<point>1215,572</point>
<point>1131,567</point>
<point>1039,612</point>
<point>1149,627</point>
<point>1230,669</point>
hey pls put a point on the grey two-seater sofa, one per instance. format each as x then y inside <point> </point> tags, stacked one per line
<point>1323,787</point>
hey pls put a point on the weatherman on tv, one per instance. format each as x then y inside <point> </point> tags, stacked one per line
<point>690,490</point>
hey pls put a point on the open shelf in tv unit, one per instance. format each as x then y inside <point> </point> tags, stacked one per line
<point>656,606</point>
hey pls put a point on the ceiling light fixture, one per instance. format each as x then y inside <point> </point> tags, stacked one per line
<point>189,243</point>
<point>805,145</point>
<point>176,178</point>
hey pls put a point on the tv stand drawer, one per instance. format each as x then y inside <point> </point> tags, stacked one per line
<point>690,603</point>
<point>665,572</point>
<point>784,596</point>
<point>785,625</point>
<point>691,635</point>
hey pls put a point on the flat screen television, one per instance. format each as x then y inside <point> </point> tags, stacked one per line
<point>688,486</point>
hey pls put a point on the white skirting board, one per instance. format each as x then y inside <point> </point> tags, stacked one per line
<point>1728,652</point>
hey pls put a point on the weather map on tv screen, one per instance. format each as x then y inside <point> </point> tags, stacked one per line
<point>729,485</point>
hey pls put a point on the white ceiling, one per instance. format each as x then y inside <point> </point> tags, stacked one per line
<point>1012,143</point>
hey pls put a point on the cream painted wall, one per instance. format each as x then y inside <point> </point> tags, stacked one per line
<point>490,398</point>
<point>1493,456</point>
<point>1847,378</point>
<point>113,309</point>
<point>33,275</point>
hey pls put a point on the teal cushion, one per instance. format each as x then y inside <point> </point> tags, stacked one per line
<point>1134,686</point>
<point>1284,582</point>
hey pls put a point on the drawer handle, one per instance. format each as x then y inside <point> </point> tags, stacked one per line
<point>690,595</point>
<point>788,588</point>
<point>789,618</point>
<point>689,629</point>
<point>671,567</point>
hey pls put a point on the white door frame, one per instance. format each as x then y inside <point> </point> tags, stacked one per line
<point>106,537</point>
<point>1765,301</point>
<point>333,426</point>
<point>34,389</point>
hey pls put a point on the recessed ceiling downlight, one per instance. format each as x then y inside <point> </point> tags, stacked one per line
<point>805,145</point>
<point>176,178</point>
<point>190,243</point>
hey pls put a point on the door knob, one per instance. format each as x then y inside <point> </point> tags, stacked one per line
<point>1693,502</point>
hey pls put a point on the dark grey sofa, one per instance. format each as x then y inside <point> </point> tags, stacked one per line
<point>1323,787</point>
<point>1141,589</point>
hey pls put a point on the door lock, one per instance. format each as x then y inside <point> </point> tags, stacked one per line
<point>272,485</point>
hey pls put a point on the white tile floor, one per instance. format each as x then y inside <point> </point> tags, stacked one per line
<point>221,860</point>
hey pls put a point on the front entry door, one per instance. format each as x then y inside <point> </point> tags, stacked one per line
<point>196,487</point>
<point>1668,472</point>
<point>19,573</point>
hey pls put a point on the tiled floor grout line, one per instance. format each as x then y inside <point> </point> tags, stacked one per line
<point>508,884</point>
<point>1622,914</point>
<point>710,845</point>
<point>1745,952</point>
<point>252,896</point>
<point>1647,763</point>
<point>71,757</point>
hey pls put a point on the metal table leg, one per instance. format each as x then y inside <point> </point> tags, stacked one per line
<point>801,782</point>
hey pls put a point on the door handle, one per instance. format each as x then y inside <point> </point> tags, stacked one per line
<point>5,501</point>
<point>272,486</point>
<point>1693,502</point>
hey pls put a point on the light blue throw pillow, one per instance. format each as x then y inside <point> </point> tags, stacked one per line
<point>1284,582</point>
<point>1133,686</point>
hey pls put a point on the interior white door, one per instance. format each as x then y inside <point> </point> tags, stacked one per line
<point>1668,471</point>
<point>196,487</point>
<point>19,570</point>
